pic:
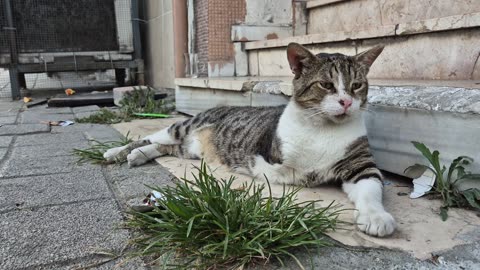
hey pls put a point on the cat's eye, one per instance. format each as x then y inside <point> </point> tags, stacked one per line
<point>356,86</point>
<point>327,85</point>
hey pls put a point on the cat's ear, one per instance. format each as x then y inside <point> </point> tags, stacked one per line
<point>298,58</point>
<point>367,58</point>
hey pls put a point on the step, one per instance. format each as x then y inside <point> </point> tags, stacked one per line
<point>445,115</point>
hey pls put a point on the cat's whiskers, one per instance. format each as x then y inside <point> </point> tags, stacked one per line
<point>315,113</point>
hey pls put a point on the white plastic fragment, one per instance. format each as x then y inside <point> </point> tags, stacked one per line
<point>423,184</point>
<point>65,123</point>
<point>153,198</point>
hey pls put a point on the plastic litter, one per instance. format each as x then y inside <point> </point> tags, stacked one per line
<point>60,123</point>
<point>152,198</point>
<point>423,184</point>
<point>155,115</point>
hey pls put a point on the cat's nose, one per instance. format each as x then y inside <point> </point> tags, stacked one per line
<point>346,103</point>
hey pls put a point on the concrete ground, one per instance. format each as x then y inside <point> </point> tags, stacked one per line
<point>56,214</point>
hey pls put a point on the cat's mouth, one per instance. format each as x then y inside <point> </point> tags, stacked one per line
<point>341,116</point>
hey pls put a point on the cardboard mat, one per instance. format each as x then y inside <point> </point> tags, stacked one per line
<point>420,231</point>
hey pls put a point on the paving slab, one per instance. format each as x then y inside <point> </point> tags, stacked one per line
<point>31,238</point>
<point>23,129</point>
<point>36,191</point>
<point>132,182</point>
<point>26,166</point>
<point>48,150</point>
<point>9,112</point>
<point>54,214</point>
<point>420,230</point>
<point>8,105</point>
<point>50,138</point>
<point>91,108</point>
<point>102,133</point>
<point>85,111</point>
<point>3,152</point>
<point>5,141</point>
<point>90,131</point>
<point>119,264</point>
<point>8,120</point>
<point>50,110</point>
<point>81,115</point>
<point>27,117</point>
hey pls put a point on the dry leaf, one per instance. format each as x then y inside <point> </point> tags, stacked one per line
<point>69,92</point>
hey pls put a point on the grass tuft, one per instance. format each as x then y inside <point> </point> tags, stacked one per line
<point>94,153</point>
<point>205,224</point>
<point>137,101</point>
<point>105,116</point>
<point>143,101</point>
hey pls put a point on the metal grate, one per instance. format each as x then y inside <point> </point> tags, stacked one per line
<point>65,26</point>
<point>65,43</point>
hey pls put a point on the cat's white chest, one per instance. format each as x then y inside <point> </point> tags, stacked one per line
<point>309,148</point>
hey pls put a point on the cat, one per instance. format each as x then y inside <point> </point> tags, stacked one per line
<point>318,137</point>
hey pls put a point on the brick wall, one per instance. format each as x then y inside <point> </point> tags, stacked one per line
<point>222,15</point>
<point>214,20</point>
<point>201,44</point>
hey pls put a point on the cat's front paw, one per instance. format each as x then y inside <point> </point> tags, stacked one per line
<point>111,154</point>
<point>375,222</point>
<point>136,158</point>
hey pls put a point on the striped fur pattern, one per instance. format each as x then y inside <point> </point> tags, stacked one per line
<point>357,164</point>
<point>241,133</point>
<point>319,137</point>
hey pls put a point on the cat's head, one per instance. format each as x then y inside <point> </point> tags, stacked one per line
<point>330,86</point>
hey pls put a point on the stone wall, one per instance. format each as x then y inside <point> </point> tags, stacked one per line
<point>357,15</point>
<point>264,12</point>
<point>447,55</point>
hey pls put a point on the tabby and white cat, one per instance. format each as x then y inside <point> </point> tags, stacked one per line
<point>319,137</point>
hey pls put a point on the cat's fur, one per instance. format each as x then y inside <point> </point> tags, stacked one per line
<point>319,137</point>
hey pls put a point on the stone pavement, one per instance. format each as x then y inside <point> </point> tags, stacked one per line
<point>56,214</point>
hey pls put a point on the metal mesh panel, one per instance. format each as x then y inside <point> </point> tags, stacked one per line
<point>66,43</point>
<point>3,33</point>
<point>64,26</point>
<point>5,91</point>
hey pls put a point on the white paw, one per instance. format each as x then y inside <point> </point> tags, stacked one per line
<point>376,223</point>
<point>136,158</point>
<point>112,153</point>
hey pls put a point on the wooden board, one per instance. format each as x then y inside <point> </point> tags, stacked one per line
<point>85,99</point>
